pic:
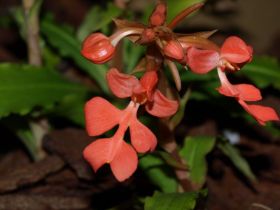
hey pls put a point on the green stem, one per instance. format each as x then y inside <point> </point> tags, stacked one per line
<point>40,126</point>
<point>31,9</point>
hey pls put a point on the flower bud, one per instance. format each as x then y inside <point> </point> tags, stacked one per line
<point>159,15</point>
<point>98,48</point>
<point>174,50</point>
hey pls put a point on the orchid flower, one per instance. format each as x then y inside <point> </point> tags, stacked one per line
<point>101,116</point>
<point>233,54</point>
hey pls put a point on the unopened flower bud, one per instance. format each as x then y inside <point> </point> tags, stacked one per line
<point>158,16</point>
<point>98,48</point>
<point>174,50</point>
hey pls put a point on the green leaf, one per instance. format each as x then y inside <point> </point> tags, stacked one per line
<point>194,151</point>
<point>234,155</point>
<point>263,71</point>
<point>24,87</point>
<point>97,18</point>
<point>72,108</point>
<point>50,59</point>
<point>159,173</point>
<point>173,201</point>
<point>175,7</point>
<point>69,46</point>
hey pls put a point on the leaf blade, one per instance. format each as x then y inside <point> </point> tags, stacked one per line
<point>172,201</point>
<point>24,87</point>
<point>69,46</point>
<point>239,162</point>
<point>194,151</point>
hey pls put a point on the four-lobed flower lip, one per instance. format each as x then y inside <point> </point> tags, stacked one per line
<point>101,116</point>
<point>244,93</point>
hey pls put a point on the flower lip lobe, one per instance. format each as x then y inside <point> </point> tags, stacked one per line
<point>98,48</point>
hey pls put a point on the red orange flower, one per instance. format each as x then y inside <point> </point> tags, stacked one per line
<point>232,55</point>
<point>101,116</point>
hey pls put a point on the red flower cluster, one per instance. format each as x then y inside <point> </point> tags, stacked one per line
<point>163,46</point>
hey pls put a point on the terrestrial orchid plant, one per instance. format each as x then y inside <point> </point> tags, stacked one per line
<point>193,51</point>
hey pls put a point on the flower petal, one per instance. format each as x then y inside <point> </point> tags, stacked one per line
<point>244,92</point>
<point>149,80</point>
<point>99,153</point>
<point>162,106</point>
<point>125,162</point>
<point>142,138</point>
<point>235,50</point>
<point>202,61</point>
<point>261,113</point>
<point>228,90</point>
<point>100,116</point>
<point>248,92</point>
<point>121,84</point>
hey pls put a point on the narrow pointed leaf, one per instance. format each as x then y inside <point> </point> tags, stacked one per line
<point>97,18</point>
<point>239,162</point>
<point>263,71</point>
<point>70,47</point>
